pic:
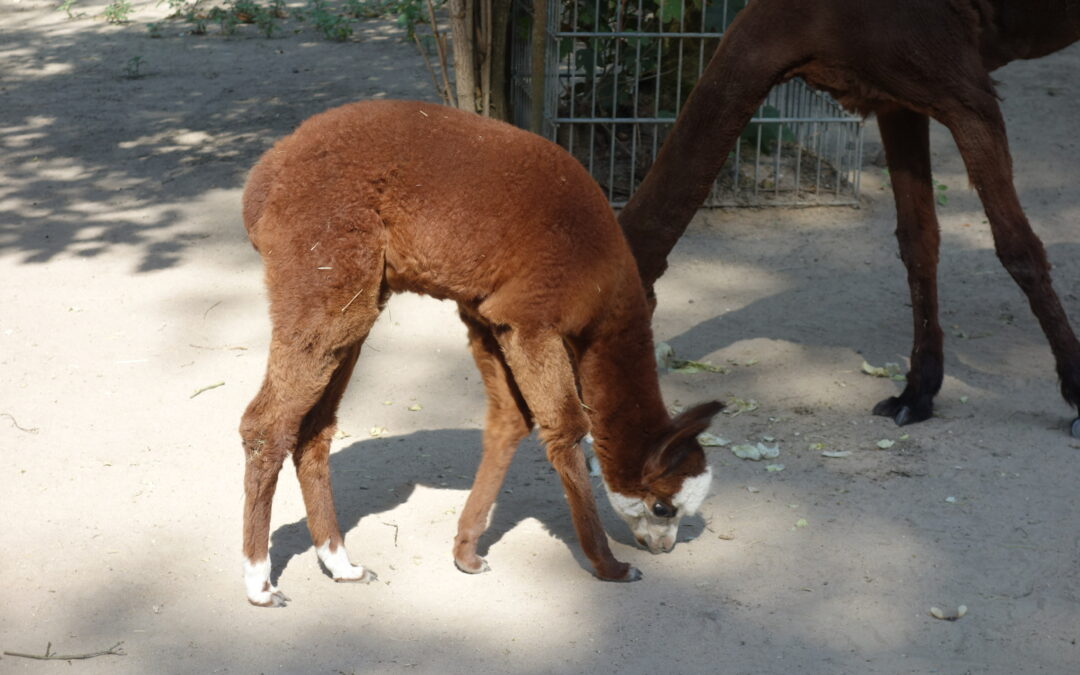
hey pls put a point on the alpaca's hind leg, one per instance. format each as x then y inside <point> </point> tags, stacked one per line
<point>294,414</point>
<point>979,131</point>
<point>313,471</point>
<point>266,443</point>
<point>271,429</point>
<point>323,301</point>
<point>542,369</point>
<point>507,422</point>
<point>906,135</point>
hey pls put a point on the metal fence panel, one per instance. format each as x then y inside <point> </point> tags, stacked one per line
<point>617,73</point>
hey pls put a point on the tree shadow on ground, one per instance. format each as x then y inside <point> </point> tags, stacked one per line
<point>94,158</point>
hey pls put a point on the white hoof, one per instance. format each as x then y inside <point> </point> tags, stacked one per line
<point>341,569</point>
<point>260,592</point>
<point>366,577</point>
<point>270,598</point>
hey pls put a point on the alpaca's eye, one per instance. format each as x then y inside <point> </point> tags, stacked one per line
<point>662,510</point>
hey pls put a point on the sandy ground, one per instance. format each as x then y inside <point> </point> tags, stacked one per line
<point>128,285</point>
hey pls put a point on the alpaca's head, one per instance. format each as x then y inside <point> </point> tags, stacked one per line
<point>675,480</point>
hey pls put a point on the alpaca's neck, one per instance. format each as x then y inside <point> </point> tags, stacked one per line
<point>619,386</point>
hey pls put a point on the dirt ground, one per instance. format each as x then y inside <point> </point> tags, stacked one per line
<point>129,286</point>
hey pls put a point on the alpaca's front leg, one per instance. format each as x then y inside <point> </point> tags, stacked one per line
<point>543,371</point>
<point>569,461</point>
<point>906,135</point>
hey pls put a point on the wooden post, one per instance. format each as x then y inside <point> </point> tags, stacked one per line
<point>461,31</point>
<point>539,51</point>
<point>500,84</point>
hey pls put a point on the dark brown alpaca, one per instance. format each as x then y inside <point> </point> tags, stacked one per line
<point>906,61</point>
<point>380,197</point>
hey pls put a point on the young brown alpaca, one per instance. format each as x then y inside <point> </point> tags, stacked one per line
<point>391,196</point>
<point>906,61</point>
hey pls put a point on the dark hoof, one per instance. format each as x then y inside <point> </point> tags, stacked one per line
<point>632,574</point>
<point>477,569</point>
<point>903,413</point>
<point>1075,428</point>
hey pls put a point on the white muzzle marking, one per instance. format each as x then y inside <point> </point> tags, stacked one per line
<point>655,533</point>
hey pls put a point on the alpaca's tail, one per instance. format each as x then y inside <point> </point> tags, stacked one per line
<point>256,190</point>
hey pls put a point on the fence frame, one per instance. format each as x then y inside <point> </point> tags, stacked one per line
<point>819,164</point>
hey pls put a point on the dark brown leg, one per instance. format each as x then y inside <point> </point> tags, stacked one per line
<point>542,369</point>
<point>979,131</point>
<point>507,422</point>
<point>906,135</point>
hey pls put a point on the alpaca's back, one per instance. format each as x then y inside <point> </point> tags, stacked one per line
<point>470,209</point>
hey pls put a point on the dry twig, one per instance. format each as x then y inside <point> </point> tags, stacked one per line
<point>351,301</point>
<point>31,430</point>
<point>207,388</point>
<point>393,525</point>
<point>49,656</point>
<point>236,348</point>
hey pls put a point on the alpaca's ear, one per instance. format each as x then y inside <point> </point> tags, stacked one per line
<point>679,442</point>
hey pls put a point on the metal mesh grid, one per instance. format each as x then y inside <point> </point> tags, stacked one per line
<point>617,73</point>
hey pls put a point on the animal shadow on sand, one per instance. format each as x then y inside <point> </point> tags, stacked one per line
<point>377,475</point>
